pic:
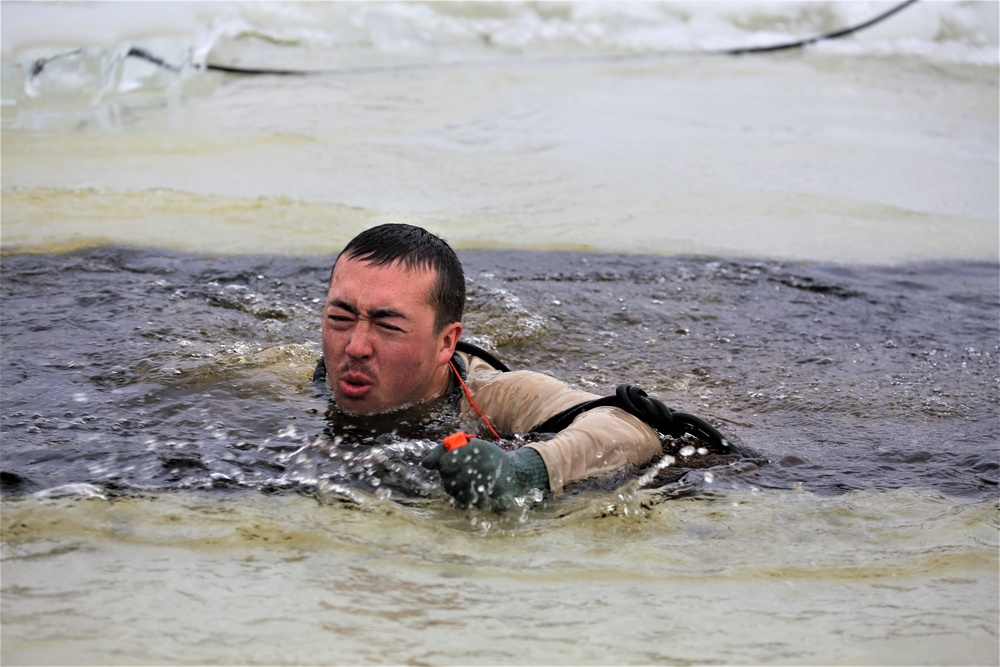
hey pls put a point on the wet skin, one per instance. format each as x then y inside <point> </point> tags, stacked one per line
<point>380,346</point>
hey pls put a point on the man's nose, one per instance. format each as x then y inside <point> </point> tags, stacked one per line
<point>359,344</point>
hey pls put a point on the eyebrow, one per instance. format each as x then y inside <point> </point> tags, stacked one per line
<point>379,313</point>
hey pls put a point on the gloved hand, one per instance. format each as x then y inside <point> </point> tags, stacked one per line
<point>481,474</point>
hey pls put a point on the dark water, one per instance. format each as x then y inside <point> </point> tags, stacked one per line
<point>141,370</point>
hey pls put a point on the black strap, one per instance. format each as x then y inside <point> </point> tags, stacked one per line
<point>633,400</point>
<point>477,351</point>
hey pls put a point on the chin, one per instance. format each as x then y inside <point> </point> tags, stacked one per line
<point>354,408</point>
<point>363,408</point>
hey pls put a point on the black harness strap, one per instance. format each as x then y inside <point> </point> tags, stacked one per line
<point>477,351</point>
<point>635,401</point>
<point>632,399</point>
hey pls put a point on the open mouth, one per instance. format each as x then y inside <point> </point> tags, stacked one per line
<point>355,385</point>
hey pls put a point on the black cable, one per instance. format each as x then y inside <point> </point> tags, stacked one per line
<point>818,38</point>
<point>39,65</point>
<point>797,44</point>
<point>135,52</point>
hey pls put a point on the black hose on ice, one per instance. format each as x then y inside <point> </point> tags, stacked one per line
<point>135,52</point>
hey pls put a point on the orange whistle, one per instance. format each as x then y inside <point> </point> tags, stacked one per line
<point>456,440</point>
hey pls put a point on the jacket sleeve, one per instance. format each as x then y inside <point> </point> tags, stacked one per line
<point>598,441</point>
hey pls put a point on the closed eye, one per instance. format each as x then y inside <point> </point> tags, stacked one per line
<point>340,320</point>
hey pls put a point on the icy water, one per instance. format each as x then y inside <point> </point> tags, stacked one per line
<point>801,248</point>
<point>173,494</point>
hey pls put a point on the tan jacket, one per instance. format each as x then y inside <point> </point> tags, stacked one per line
<point>598,441</point>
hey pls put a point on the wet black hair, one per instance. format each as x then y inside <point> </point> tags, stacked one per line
<point>416,248</point>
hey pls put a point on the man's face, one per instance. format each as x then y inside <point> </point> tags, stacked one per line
<point>379,344</point>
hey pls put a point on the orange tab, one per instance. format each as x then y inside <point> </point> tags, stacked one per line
<point>456,440</point>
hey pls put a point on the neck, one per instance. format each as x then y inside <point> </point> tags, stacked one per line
<point>444,380</point>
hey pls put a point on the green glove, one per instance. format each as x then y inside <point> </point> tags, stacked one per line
<point>481,474</point>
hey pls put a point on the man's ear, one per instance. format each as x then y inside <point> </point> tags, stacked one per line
<point>448,339</point>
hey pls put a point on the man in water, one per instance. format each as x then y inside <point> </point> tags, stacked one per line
<point>391,325</point>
